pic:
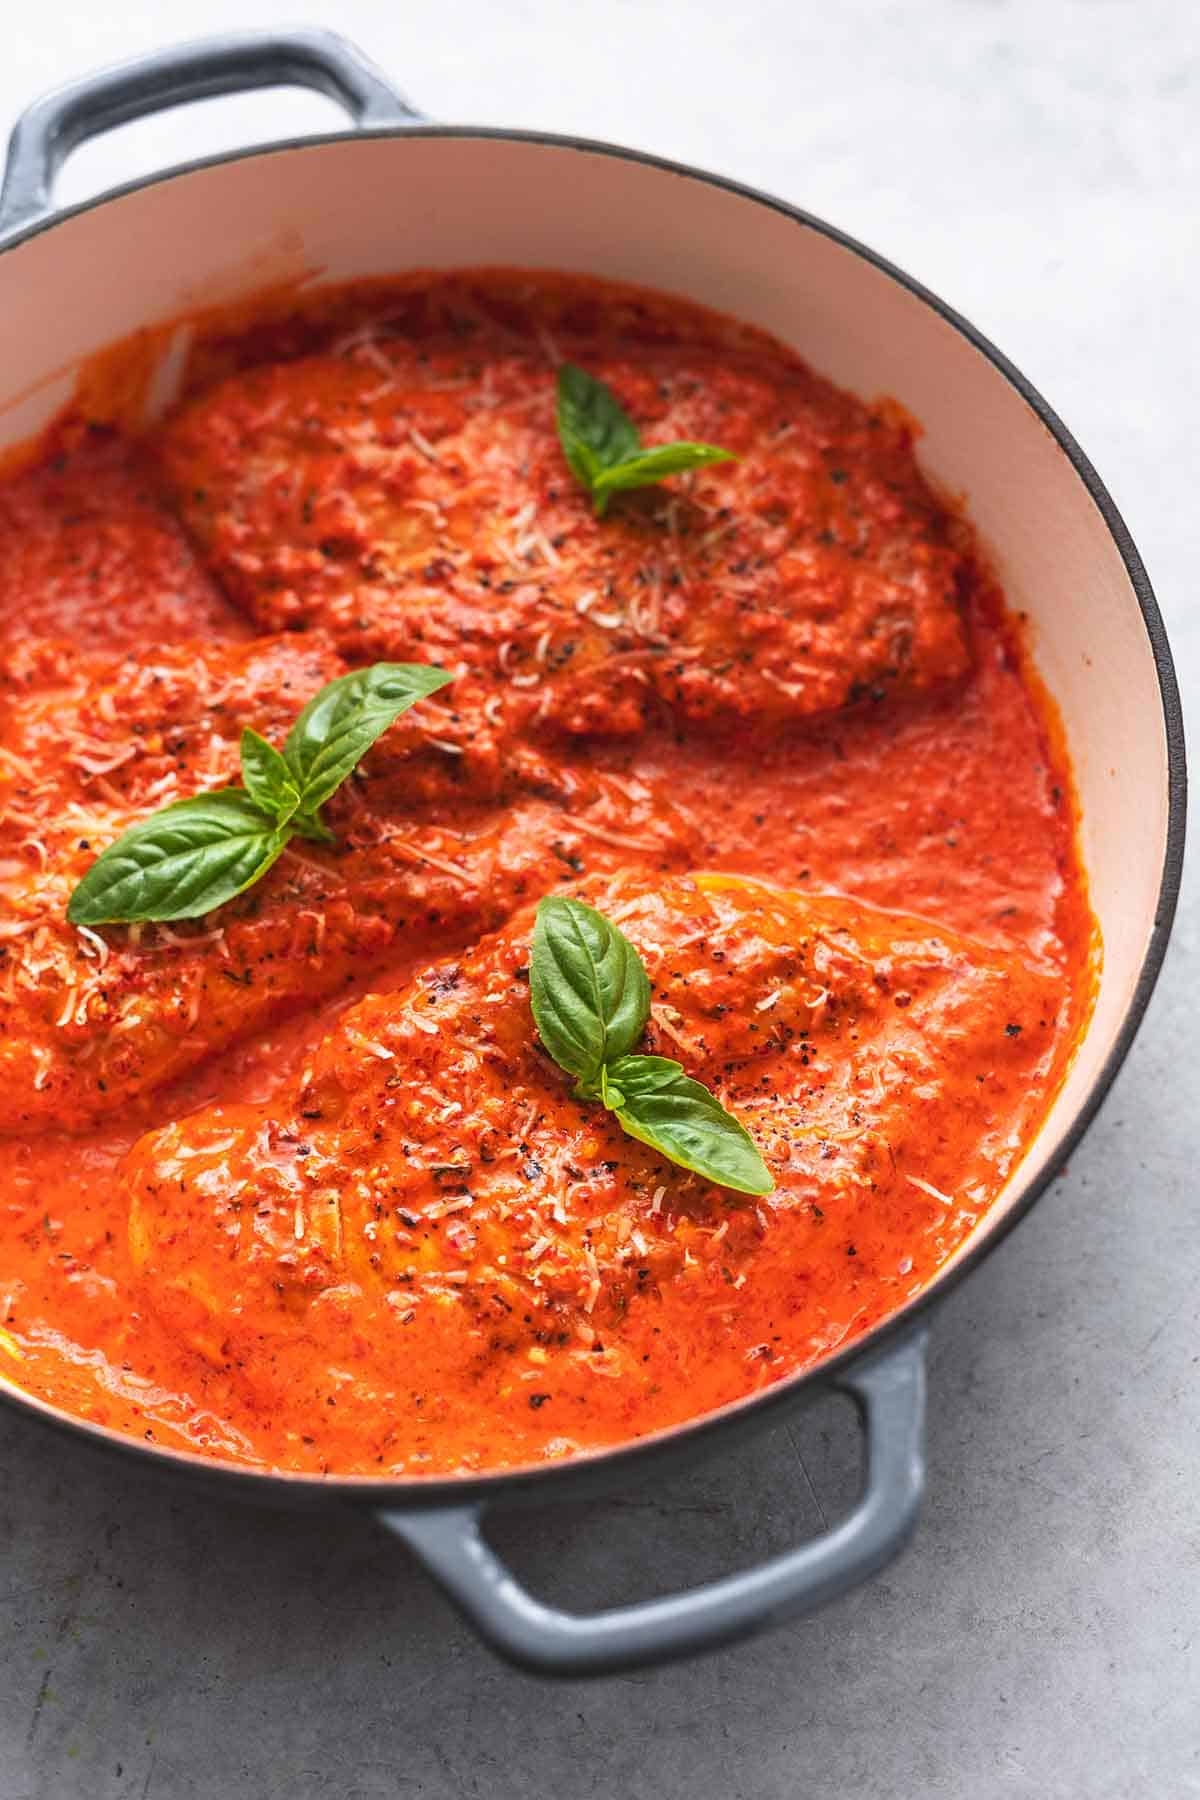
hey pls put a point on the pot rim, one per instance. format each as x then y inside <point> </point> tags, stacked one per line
<point>589,1471</point>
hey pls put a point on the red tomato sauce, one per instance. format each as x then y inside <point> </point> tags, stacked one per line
<point>378,466</point>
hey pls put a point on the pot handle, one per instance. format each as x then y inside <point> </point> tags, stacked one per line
<point>889,1390</point>
<point>46,132</point>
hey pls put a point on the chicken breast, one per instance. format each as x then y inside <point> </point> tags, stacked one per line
<point>413,500</point>
<point>447,826</point>
<point>434,1157</point>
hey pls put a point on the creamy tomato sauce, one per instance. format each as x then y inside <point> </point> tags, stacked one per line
<point>794,669</point>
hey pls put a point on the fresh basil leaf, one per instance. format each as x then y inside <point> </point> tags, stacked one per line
<point>180,862</point>
<point>267,778</point>
<point>654,464</point>
<point>339,725</point>
<point>594,429</point>
<point>589,991</point>
<point>606,1091</point>
<point>198,853</point>
<point>655,1102</point>
<point>312,827</point>
<point>602,444</point>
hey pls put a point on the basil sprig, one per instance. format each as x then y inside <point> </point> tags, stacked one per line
<point>196,854</point>
<point>602,444</point>
<point>591,998</point>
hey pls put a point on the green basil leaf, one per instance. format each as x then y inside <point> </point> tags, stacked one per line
<point>180,862</point>
<point>663,1107</point>
<point>594,429</point>
<point>602,444</point>
<point>654,464</point>
<point>339,725</point>
<point>312,827</point>
<point>194,856</point>
<point>589,991</point>
<point>267,778</point>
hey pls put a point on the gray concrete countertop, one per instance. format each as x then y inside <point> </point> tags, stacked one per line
<point>1037,164</point>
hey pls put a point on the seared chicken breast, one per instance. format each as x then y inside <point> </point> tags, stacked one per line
<point>433,1157</point>
<point>412,510</point>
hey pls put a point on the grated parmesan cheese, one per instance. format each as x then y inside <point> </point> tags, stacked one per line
<point>423,445</point>
<point>927,1187</point>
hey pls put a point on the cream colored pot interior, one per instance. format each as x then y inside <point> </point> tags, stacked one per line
<point>378,205</point>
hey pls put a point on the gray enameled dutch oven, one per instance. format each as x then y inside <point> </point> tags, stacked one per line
<point>396,192</point>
